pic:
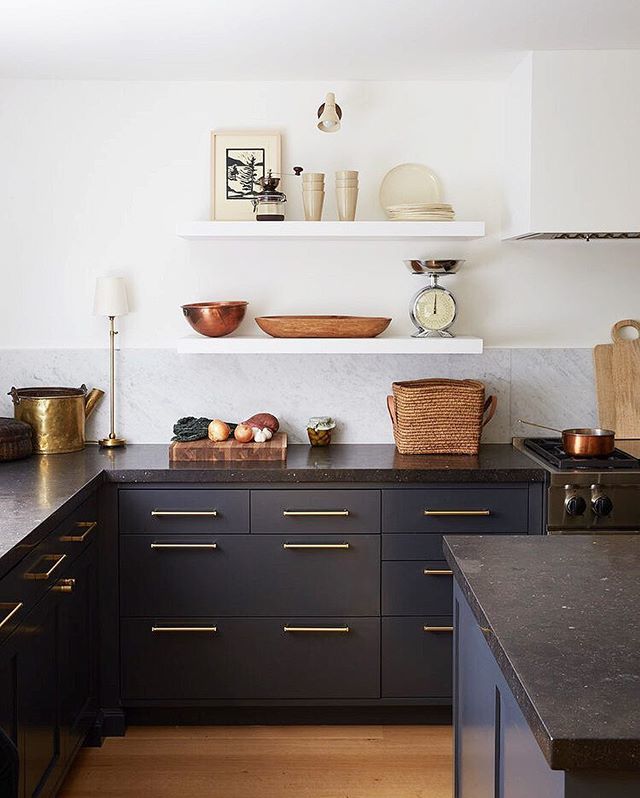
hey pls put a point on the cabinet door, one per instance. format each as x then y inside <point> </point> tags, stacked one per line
<point>251,575</point>
<point>196,659</point>
<point>9,728</point>
<point>38,696</point>
<point>78,650</point>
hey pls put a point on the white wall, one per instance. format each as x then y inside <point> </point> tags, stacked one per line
<point>95,176</point>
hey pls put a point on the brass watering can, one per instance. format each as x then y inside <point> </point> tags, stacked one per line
<point>56,415</point>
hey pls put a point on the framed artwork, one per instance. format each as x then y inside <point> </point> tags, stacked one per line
<point>238,160</point>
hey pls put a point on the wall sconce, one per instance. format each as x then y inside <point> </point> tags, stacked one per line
<point>329,115</point>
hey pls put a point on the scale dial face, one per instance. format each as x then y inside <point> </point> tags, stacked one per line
<point>434,309</point>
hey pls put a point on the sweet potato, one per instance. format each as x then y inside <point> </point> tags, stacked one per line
<point>262,420</point>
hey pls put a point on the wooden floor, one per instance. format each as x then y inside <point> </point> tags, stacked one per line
<point>267,762</point>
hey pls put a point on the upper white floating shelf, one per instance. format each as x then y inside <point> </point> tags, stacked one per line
<point>383,344</point>
<point>398,231</point>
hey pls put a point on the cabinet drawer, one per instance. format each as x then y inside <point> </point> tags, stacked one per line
<point>249,575</point>
<point>417,663</point>
<point>418,546</point>
<point>417,588</point>
<point>459,510</point>
<point>190,511</point>
<point>315,511</point>
<point>250,658</point>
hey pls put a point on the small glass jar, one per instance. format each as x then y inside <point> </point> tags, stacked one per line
<point>319,430</point>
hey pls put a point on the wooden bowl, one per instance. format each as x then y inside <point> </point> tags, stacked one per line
<point>215,319</point>
<point>322,326</point>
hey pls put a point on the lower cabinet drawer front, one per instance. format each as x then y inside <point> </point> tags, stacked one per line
<point>416,546</point>
<point>173,511</point>
<point>251,575</point>
<point>315,511</point>
<point>250,658</point>
<point>417,588</point>
<point>450,511</point>
<point>417,663</point>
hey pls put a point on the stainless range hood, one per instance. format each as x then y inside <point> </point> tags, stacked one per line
<point>571,149</point>
<point>573,236</point>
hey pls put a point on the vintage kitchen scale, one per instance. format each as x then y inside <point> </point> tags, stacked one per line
<point>433,308</point>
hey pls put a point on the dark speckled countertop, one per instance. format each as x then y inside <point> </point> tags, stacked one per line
<point>562,615</point>
<point>35,493</point>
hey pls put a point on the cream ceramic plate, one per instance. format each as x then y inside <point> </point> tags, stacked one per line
<point>409,184</point>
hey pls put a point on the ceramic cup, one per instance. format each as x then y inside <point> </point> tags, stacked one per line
<point>312,200</point>
<point>346,200</point>
<point>348,173</point>
<point>312,176</point>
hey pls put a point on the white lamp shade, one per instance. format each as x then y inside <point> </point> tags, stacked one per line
<point>329,121</point>
<point>111,297</point>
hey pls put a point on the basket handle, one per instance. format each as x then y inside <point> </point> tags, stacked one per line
<point>489,410</point>
<point>391,407</point>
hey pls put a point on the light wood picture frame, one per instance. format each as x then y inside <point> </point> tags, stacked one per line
<point>238,160</point>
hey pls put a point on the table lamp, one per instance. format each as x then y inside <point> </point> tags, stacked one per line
<point>111,300</point>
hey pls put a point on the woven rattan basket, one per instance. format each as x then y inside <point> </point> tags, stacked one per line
<point>439,416</point>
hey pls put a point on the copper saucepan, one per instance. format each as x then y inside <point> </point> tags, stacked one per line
<point>583,441</point>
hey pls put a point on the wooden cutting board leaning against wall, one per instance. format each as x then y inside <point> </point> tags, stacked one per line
<point>617,371</point>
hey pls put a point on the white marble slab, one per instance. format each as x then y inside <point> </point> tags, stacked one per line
<point>155,387</point>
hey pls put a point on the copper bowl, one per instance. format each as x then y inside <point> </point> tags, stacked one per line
<point>214,319</point>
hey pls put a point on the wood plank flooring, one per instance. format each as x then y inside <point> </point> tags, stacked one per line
<point>267,762</point>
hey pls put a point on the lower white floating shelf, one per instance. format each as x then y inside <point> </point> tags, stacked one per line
<point>383,345</point>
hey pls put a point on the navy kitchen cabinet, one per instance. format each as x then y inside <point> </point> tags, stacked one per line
<point>496,754</point>
<point>333,594</point>
<point>48,659</point>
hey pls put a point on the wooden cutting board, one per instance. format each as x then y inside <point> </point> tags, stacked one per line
<point>617,371</point>
<point>228,451</point>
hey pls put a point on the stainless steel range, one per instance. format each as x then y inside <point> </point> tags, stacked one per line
<point>589,495</point>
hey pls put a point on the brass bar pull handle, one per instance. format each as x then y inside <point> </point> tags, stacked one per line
<point>437,628</point>
<point>57,560</point>
<point>331,629</point>
<point>15,608</point>
<point>457,512</point>
<point>64,586</point>
<point>210,629</point>
<point>315,545</point>
<point>315,513</point>
<point>88,527</point>
<point>184,513</point>
<point>184,545</point>
<point>437,572</point>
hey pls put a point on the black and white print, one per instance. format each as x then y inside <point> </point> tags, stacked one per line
<point>244,168</point>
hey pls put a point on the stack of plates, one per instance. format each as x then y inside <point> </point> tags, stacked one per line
<point>421,212</point>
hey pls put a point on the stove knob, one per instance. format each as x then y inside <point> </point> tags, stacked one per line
<point>575,505</point>
<point>601,505</point>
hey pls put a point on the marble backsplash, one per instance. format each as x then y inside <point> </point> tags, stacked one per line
<point>157,386</point>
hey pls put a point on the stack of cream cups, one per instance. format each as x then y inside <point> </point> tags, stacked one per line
<point>347,194</point>
<point>313,195</point>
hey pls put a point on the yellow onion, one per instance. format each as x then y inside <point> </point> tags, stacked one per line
<point>218,430</point>
<point>243,433</point>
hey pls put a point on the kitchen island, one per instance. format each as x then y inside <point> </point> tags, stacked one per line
<point>547,665</point>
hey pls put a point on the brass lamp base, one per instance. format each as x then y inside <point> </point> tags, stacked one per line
<point>112,442</point>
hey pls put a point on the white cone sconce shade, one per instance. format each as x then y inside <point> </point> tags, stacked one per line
<point>329,115</point>
<point>111,297</point>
